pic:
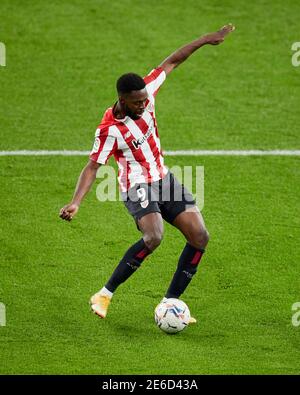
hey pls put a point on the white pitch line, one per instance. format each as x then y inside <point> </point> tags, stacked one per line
<point>166,153</point>
<point>44,153</point>
<point>234,153</point>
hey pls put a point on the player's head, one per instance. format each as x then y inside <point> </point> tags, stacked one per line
<point>132,94</point>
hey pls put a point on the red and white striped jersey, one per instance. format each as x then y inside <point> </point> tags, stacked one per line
<point>135,144</point>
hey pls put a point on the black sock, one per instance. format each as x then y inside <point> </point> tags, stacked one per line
<point>187,267</point>
<point>128,264</point>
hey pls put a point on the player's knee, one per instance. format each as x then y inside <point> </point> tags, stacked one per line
<point>206,236</point>
<point>200,238</point>
<point>153,239</point>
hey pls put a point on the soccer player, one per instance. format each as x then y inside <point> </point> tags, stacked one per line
<point>150,191</point>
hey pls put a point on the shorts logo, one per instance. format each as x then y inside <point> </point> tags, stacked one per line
<point>145,203</point>
<point>141,193</point>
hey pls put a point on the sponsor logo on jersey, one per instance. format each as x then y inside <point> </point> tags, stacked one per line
<point>138,142</point>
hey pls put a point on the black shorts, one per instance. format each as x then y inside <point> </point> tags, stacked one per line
<point>166,196</point>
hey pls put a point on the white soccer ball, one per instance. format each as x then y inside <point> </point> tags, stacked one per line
<point>172,316</point>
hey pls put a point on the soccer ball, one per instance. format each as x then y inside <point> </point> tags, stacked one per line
<point>172,315</point>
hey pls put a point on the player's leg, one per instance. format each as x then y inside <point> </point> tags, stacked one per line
<point>190,222</point>
<point>151,226</point>
<point>181,211</point>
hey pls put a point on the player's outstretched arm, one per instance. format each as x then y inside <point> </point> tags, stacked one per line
<point>183,53</point>
<point>84,183</point>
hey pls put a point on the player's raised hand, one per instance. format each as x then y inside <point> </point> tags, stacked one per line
<point>68,211</point>
<point>219,36</point>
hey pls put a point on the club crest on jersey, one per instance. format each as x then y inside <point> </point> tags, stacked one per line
<point>128,134</point>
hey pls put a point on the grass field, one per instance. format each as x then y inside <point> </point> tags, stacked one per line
<point>63,58</point>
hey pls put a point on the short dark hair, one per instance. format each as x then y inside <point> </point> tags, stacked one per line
<point>130,82</point>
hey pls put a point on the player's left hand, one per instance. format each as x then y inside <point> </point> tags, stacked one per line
<point>219,36</point>
<point>67,212</point>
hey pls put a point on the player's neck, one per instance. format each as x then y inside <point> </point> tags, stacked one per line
<point>118,112</point>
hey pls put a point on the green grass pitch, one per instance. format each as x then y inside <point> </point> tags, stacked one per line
<point>63,58</point>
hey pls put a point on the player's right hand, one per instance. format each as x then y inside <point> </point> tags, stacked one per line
<point>219,36</point>
<point>67,212</point>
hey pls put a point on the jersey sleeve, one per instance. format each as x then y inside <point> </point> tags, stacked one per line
<point>105,146</point>
<point>154,80</point>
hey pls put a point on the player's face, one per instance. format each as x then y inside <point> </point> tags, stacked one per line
<point>134,103</point>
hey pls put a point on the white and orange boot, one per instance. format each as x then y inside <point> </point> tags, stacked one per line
<point>99,304</point>
<point>192,320</point>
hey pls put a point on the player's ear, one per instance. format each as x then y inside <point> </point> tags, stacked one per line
<point>121,100</point>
